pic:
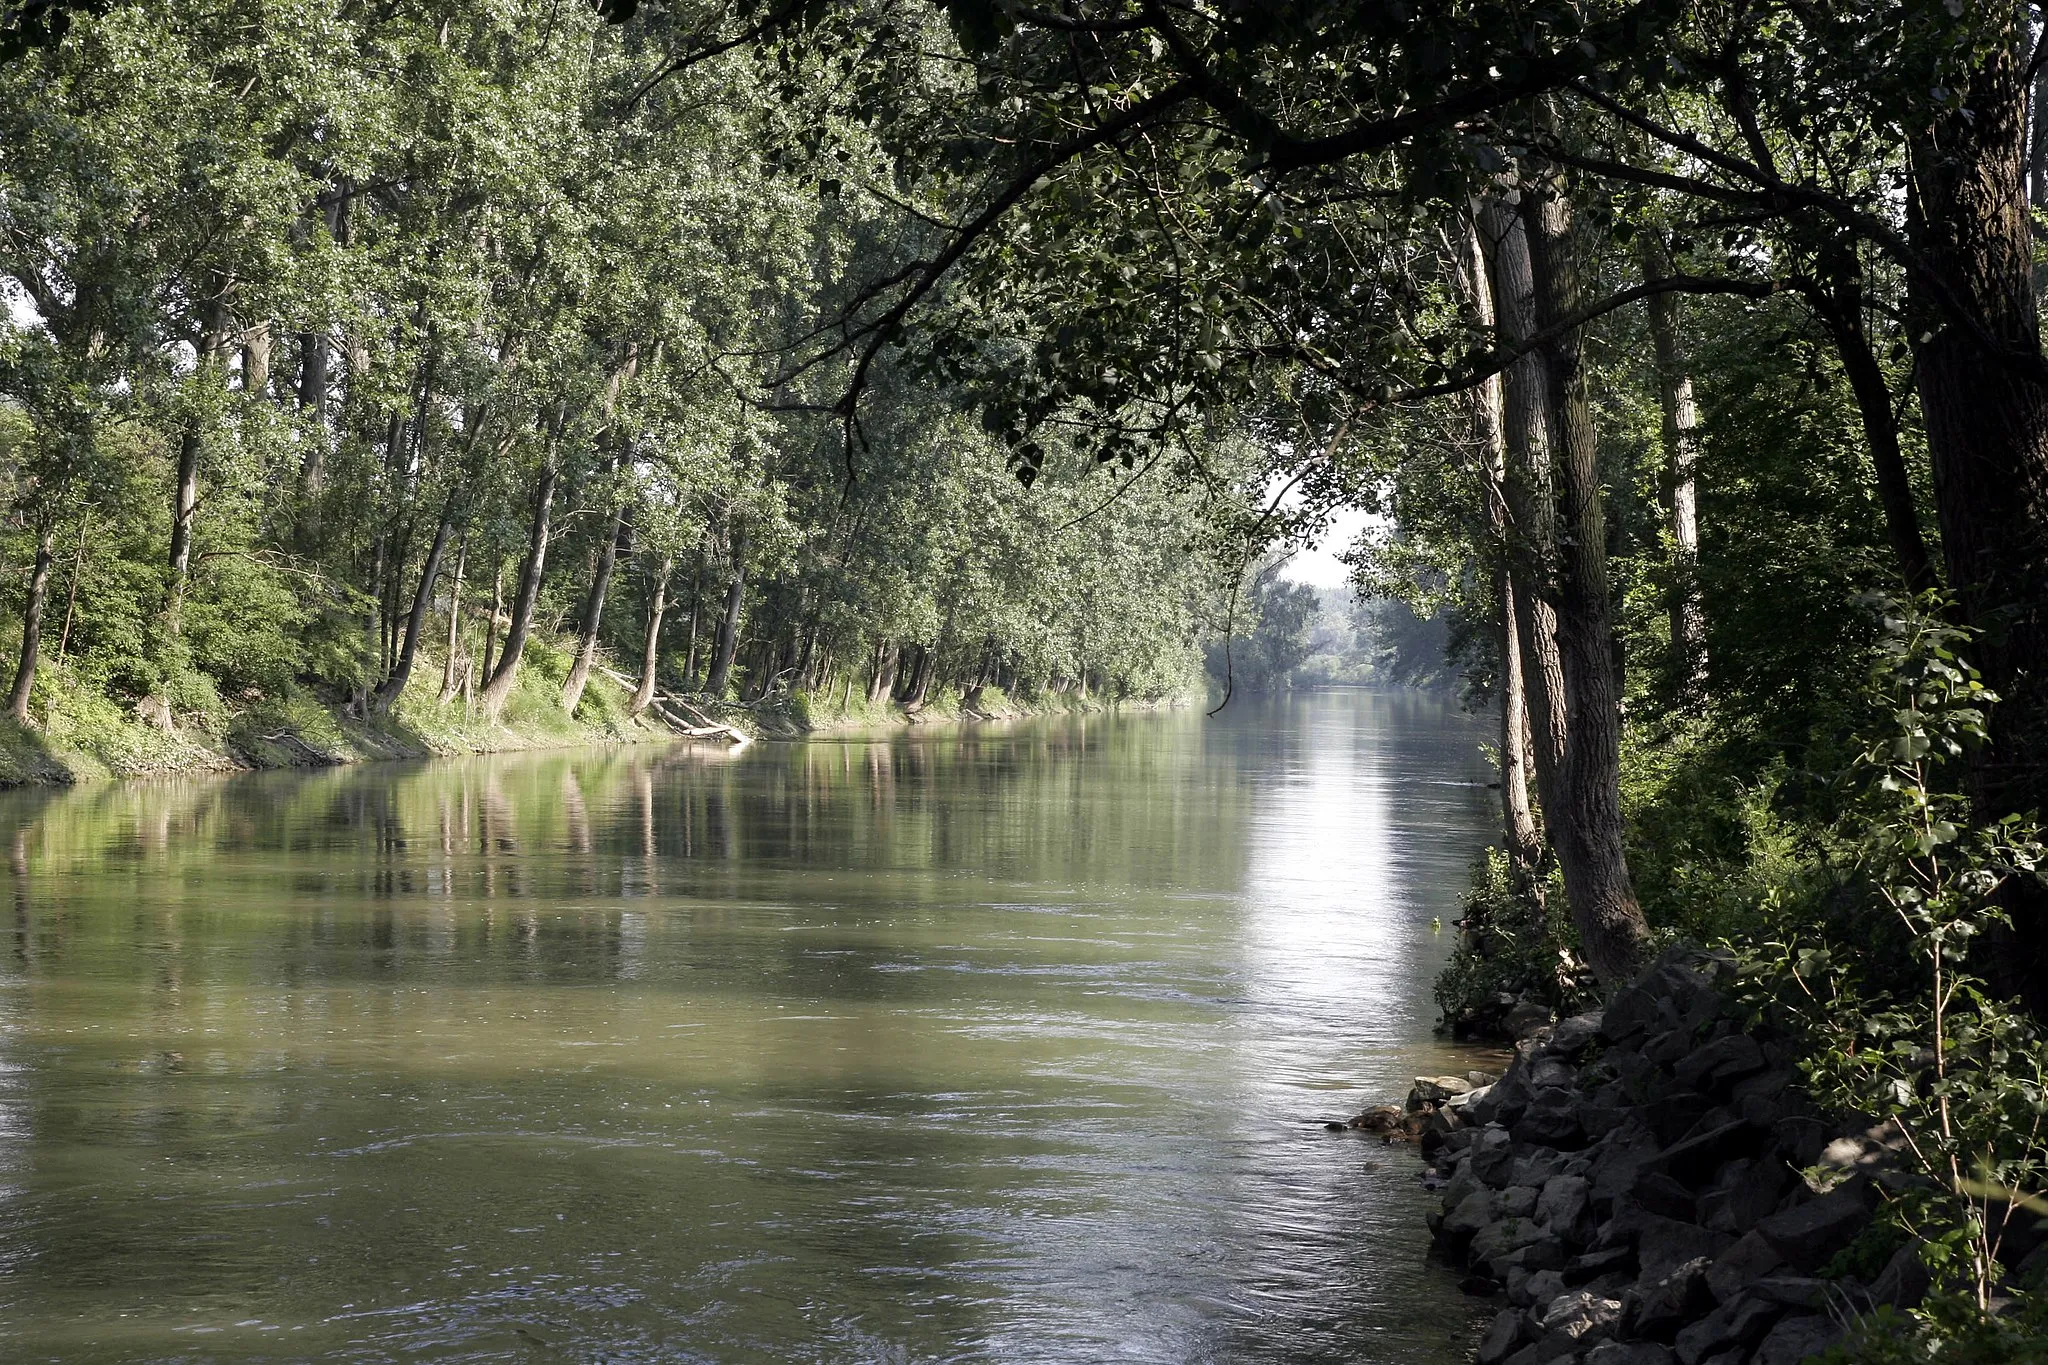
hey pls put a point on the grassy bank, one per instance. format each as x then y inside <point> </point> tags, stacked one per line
<point>80,733</point>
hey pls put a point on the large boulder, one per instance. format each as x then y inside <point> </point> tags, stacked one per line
<point>1808,1234</point>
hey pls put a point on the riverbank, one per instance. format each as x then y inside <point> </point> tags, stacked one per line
<point>80,734</point>
<point>1649,1184</point>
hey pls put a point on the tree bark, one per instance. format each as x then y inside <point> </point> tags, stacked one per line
<point>416,620</point>
<point>1588,839</point>
<point>650,647</point>
<point>1841,311</point>
<point>491,626</point>
<point>32,623</point>
<point>729,621</point>
<point>1518,823</point>
<point>524,598</point>
<point>448,681</point>
<point>256,361</point>
<point>620,534</point>
<point>1531,548</point>
<point>1987,425</point>
<point>1987,440</point>
<point>1681,473</point>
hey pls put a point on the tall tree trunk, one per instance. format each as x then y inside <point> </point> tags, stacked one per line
<point>1681,473</point>
<point>491,625</point>
<point>416,619</point>
<point>32,622</point>
<point>527,595</point>
<point>256,361</point>
<point>1518,823</point>
<point>729,621</point>
<point>213,342</point>
<point>1531,512</point>
<point>315,360</point>
<point>1987,438</point>
<point>650,648</point>
<point>1841,311</point>
<point>448,680</point>
<point>620,535</point>
<point>1589,838</point>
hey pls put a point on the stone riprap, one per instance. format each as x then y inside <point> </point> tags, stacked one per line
<point>1635,1188</point>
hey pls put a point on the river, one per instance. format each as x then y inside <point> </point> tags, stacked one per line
<point>1003,1043</point>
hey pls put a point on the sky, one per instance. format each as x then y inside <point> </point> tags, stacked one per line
<point>1317,566</point>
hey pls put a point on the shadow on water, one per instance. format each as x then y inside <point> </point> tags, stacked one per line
<point>991,1043</point>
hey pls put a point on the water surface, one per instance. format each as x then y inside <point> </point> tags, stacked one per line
<point>1004,1043</point>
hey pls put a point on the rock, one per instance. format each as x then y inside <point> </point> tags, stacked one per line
<point>1431,1090</point>
<point>1564,1200</point>
<point>1664,1244</point>
<point>1904,1281</point>
<point>1658,1308</point>
<point>1525,1018</point>
<point>1808,1234</point>
<point>1791,1291</point>
<point>1720,1063</point>
<point>1501,1338</point>
<point>1503,1101</point>
<point>1545,1285</point>
<point>1493,1157</point>
<point>1672,1116</point>
<point>1548,1254</point>
<point>1580,1314</point>
<point>1745,1193</point>
<point>1662,1195</point>
<point>1633,1013</point>
<point>1552,1119</point>
<point>1795,1339</point>
<point>1536,1167</point>
<point>1621,1156</point>
<point>1481,1079</point>
<point>1800,1140</point>
<point>1629,1353</point>
<point>1516,1201</point>
<point>1576,1034</point>
<point>1472,1213</point>
<point>1749,1259</point>
<point>1736,1325</point>
<point>1548,1072</point>
<point>1496,1240</point>
<point>1464,1184</point>
<point>1594,1264</point>
<point>1383,1118</point>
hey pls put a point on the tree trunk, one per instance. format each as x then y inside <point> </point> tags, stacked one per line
<point>1841,310</point>
<point>499,687</point>
<point>1987,441</point>
<point>1531,522</point>
<point>729,621</point>
<point>315,352</point>
<point>1588,839</point>
<point>448,681</point>
<point>256,361</point>
<point>621,534</point>
<point>416,619</point>
<point>491,626</point>
<point>1518,823</point>
<point>650,648</point>
<point>1681,471</point>
<point>32,623</point>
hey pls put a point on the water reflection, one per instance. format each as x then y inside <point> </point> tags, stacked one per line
<point>996,1044</point>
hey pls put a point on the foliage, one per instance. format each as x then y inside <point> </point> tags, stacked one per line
<point>1961,1074</point>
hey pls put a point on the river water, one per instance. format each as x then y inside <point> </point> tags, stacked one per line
<point>1005,1043</point>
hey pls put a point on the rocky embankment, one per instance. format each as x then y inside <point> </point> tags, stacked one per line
<point>1648,1185</point>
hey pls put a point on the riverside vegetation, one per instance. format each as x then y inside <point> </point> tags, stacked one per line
<point>1687,350</point>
